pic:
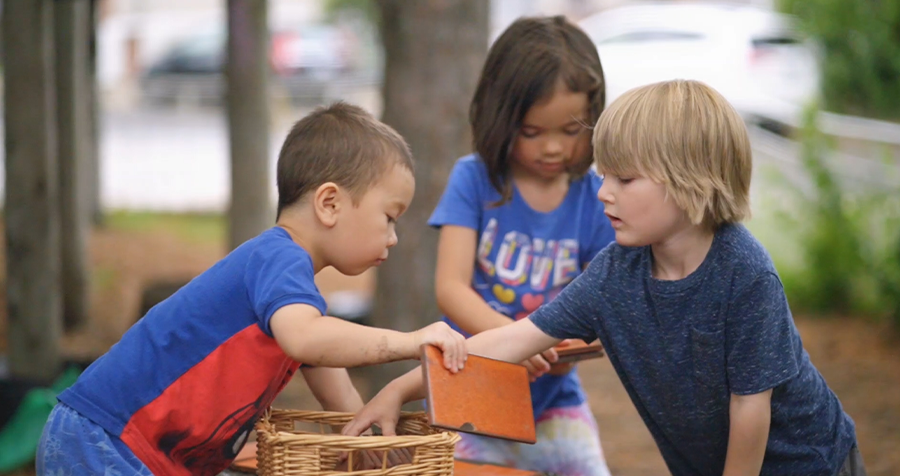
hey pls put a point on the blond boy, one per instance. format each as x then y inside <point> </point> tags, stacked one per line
<point>687,303</point>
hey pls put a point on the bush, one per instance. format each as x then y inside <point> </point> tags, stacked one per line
<point>848,241</point>
<point>861,53</point>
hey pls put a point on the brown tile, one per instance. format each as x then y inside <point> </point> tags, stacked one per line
<point>489,397</point>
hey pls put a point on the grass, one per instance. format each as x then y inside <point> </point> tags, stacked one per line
<point>103,277</point>
<point>193,227</point>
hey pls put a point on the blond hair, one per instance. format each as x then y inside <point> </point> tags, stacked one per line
<point>685,135</point>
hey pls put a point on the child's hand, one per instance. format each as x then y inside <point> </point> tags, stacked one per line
<point>540,364</point>
<point>561,368</point>
<point>383,410</point>
<point>451,343</point>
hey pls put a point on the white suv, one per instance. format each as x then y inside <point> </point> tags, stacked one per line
<point>754,57</point>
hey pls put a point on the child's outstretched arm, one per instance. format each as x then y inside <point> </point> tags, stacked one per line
<point>309,337</point>
<point>748,435</point>
<point>511,343</point>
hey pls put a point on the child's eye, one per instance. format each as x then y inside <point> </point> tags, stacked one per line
<point>621,180</point>
<point>574,132</point>
<point>528,133</point>
<point>391,219</point>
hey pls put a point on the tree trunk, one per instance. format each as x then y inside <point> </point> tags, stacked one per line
<point>32,199</point>
<point>92,164</point>
<point>73,83</point>
<point>434,52</point>
<point>248,119</point>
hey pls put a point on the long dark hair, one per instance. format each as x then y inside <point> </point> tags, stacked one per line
<point>522,68</point>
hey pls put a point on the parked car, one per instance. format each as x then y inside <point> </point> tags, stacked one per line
<point>303,62</point>
<point>755,57</point>
<point>321,52</point>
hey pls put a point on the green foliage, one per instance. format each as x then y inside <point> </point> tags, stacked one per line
<point>365,9</point>
<point>198,228</point>
<point>848,242</point>
<point>103,278</point>
<point>861,52</point>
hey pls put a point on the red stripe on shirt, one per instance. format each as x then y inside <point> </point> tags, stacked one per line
<point>198,424</point>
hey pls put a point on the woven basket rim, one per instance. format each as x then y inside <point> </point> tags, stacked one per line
<point>267,432</point>
<point>284,450</point>
<point>313,415</point>
<point>363,443</point>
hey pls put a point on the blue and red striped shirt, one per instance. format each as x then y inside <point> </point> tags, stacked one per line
<point>185,385</point>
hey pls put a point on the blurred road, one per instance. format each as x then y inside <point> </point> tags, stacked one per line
<point>176,159</point>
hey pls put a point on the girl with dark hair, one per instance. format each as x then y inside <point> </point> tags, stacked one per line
<point>520,219</point>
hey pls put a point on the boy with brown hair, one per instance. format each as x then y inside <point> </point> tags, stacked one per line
<point>179,394</point>
<point>686,302</point>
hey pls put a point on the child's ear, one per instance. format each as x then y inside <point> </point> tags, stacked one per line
<point>327,203</point>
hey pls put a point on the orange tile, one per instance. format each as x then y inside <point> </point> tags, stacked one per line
<point>488,397</point>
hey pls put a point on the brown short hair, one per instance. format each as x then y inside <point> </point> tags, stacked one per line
<point>523,67</point>
<point>685,135</point>
<point>340,143</point>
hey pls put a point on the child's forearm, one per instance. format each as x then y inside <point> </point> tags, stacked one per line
<point>749,433</point>
<point>512,343</point>
<point>460,303</point>
<point>308,337</point>
<point>409,386</point>
<point>333,389</point>
<point>333,342</point>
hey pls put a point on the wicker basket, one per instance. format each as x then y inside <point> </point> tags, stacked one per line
<point>285,451</point>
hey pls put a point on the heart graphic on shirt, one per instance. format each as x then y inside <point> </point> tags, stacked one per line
<point>504,295</point>
<point>530,302</point>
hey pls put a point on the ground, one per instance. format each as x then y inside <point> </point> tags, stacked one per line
<point>859,359</point>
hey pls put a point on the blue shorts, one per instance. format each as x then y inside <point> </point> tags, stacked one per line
<point>72,445</point>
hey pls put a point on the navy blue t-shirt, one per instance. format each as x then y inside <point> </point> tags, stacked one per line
<point>681,348</point>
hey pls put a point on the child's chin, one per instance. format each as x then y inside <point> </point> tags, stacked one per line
<point>625,240</point>
<point>353,269</point>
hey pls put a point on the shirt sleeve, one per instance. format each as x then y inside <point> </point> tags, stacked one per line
<point>760,338</point>
<point>460,204</point>
<point>573,314</point>
<point>278,277</point>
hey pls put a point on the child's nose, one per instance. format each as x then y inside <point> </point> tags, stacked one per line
<point>604,194</point>
<point>392,240</point>
<point>552,147</point>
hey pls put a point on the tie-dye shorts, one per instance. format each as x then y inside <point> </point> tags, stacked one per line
<point>568,444</point>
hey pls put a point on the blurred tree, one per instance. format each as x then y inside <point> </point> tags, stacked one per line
<point>31,211</point>
<point>72,24</point>
<point>93,162</point>
<point>434,50</point>
<point>861,57</point>
<point>248,119</point>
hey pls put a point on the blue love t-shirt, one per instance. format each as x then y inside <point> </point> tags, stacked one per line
<point>525,257</point>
